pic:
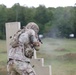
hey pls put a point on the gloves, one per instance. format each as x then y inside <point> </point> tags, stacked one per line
<point>36,46</point>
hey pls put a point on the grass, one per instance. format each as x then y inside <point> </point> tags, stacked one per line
<point>3,57</point>
<point>59,53</point>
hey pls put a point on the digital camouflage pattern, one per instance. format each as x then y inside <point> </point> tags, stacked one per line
<point>33,26</point>
<point>21,52</point>
<point>20,68</point>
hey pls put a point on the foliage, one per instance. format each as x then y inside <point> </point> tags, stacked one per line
<point>56,22</point>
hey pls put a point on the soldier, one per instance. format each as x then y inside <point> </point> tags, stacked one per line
<point>23,44</point>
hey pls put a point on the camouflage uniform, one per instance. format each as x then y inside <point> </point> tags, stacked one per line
<point>19,63</point>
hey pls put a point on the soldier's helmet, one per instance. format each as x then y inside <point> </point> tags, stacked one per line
<point>33,26</point>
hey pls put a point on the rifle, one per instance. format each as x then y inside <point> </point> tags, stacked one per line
<point>31,42</point>
<point>40,40</point>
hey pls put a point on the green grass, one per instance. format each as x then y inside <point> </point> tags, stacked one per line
<point>3,57</point>
<point>59,53</point>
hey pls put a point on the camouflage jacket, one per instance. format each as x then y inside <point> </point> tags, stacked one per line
<point>18,52</point>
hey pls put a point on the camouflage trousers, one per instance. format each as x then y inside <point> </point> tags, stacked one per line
<point>19,68</point>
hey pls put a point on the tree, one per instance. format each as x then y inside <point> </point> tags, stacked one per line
<point>42,16</point>
<point>3,19</point>
<point>62,22</point>
<point>73,19</point>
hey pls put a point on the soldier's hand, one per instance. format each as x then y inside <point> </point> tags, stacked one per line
<point>36,45</point>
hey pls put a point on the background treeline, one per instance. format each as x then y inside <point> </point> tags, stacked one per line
<point>53,22</point>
